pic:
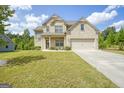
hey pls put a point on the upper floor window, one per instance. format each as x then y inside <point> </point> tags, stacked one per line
<point>47,29</point>
<point>58,29</point>
<point>82,27</point>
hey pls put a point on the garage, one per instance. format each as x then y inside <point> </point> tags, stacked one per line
<point>81,44</point>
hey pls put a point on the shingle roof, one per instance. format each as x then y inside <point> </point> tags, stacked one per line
<point>39,28</point>
<point>70,24</point>
<point>83,20</point>
<point>6,38</point>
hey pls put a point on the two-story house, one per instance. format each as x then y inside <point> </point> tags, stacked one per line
<point>56,32</point>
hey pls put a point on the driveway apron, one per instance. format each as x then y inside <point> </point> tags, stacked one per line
<point>110,64</point>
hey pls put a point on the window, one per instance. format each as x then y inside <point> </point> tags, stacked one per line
<point>82,27</point>
<point>47,29</point>
<point>59,43</point>
<point>58,29</point>
<point>6,46</point>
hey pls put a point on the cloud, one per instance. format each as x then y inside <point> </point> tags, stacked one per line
<point>99,17</point>
<point>30,21</point>
<point>111,7</point>
<point>28,25</point>
<point>15,28</point>
<point>107,14</point>
<point>118,25</point>
<point>14,18</point>
<point>35,19</point>
<point>21,7</point>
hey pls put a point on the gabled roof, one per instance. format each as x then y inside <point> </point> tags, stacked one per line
<point>55,17</point>
<point>85,21</point>
<point>6,38</point>
<point>70,24</point>
<point>39,29</point>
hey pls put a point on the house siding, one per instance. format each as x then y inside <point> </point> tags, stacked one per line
<point>38,36</point>
<point>88,32</point>
<point>11,47</point>
<point>75,33</point>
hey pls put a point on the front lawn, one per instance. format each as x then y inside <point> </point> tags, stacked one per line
<point>49,69</point>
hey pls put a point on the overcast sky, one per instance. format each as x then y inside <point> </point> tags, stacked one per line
<point>32,16</point>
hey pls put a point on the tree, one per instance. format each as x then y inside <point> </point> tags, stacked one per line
<point>5,13</point>
<point>22,42</point>
<point>31,43</point>
<point>110,39</point>
<point>101,41</point>
<point>26,38</point>
<point>107,31</point>
<point>117,38</point>
<point>121,39</point>
<point>26,34</point>
<point>2,43</point>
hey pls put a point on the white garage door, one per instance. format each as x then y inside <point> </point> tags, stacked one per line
<point>82,44</point>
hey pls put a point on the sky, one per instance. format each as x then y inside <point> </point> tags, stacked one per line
<point>31,16</point>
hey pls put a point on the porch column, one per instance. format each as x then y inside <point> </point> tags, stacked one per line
<point>49,42</point>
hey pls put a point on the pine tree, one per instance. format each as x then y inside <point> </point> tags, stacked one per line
<point>5,13</point>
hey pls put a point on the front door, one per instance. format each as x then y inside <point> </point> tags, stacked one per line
<point>47,44</point>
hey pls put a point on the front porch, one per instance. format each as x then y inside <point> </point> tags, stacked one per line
<point>54,42</point>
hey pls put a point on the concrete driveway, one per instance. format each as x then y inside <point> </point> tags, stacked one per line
<point>110,64</point>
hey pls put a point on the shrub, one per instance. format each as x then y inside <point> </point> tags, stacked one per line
<point>37,48</point>
<point>57,48</point>
<point>67,48</point>
<point>121,45</point>
<point>52,48</point>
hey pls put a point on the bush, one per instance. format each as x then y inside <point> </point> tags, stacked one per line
<point>60,48</point>
<point>52,48</point>
<point>67,48</point>
<point>121,45</point>
<point>37,48</point>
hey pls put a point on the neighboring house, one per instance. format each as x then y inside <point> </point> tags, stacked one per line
<point>10,46</point>
<point>56,32</point>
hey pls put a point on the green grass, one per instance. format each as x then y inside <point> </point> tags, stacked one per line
<point>49,69</point>
<point>115,51</point>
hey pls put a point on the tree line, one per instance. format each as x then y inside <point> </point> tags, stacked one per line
<point>24,41</point>
<point>111,39</point>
